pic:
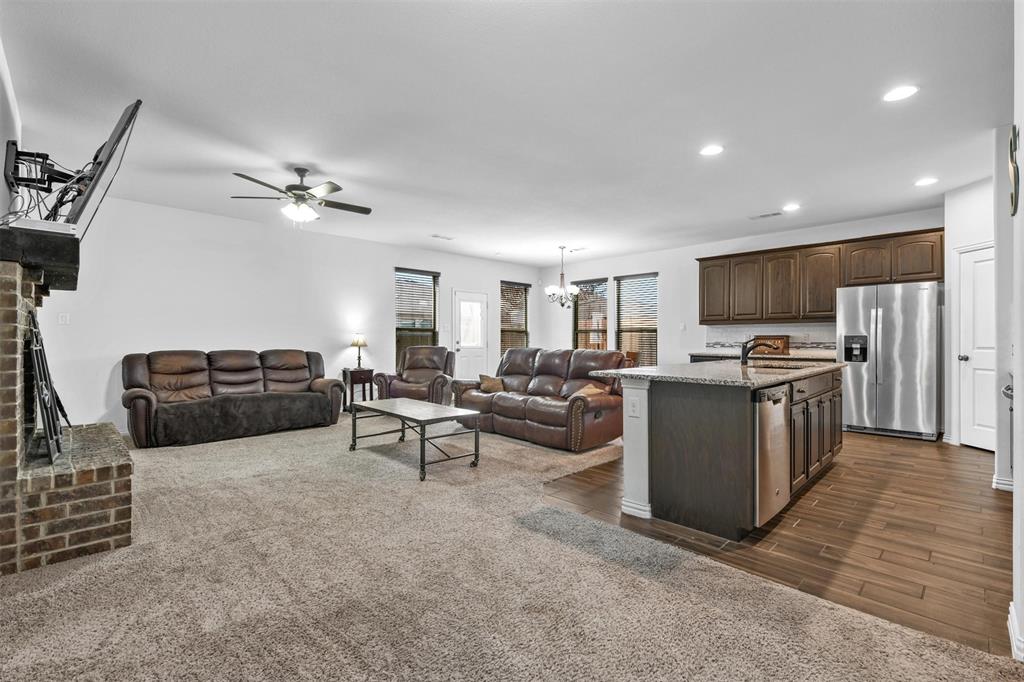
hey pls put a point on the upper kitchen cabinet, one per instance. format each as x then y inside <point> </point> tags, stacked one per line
<point>714,291</point>
<point>867,262</point>
<point>782,285</point>
<point>819,279</point>
<point>745,288</point>
<point>799,283</point>
<point>917,257</point>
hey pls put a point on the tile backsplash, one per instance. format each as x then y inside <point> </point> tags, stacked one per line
<point>810,335</point>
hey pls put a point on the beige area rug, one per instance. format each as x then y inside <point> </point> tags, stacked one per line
<point>288,557</point>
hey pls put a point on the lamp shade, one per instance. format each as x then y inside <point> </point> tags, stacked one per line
<point>299,211</point>
<point>358,341</point>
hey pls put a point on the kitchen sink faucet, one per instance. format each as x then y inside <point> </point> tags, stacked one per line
<point>751,345</point>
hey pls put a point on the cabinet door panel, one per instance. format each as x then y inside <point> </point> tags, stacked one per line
<point>782,286</point>
<point>917,257</point>
<point>814,435</point>
<point>827,415</point>
<point>867,262</point>
<point>837,422</point>
<point>746,288</point>
<point>714,290</point>
<point>798,446</point>
<point>819,279</point>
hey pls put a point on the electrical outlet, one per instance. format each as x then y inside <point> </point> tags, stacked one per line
<point>633,407</point>
<point>64,318</point>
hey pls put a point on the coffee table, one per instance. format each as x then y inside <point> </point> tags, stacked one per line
<point>417,415</point>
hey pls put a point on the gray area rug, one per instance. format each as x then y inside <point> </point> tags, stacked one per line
<point>288,557</point>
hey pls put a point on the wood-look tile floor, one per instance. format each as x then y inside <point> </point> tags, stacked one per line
<point>905,530</point>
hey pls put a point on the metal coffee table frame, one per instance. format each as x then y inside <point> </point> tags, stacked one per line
<point>416,416</point>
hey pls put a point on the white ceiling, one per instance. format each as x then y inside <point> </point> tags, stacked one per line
<point>517,127</point>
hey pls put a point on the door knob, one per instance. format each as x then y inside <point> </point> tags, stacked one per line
<point>963,358</point>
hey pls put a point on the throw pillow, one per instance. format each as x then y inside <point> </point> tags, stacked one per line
<point>589,389</point>
<point>491,384</point>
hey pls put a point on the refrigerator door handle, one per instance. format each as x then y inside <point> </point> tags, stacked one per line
<point>872,345</point>
<point>878,337</point>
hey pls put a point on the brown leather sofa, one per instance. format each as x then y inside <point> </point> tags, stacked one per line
<point>182,397</point>
<point>423,373</point>
<point>537,403</point>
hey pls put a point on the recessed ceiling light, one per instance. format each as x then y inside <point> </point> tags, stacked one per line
<point>712,150</point>
<point>924,182</point>
<point>791,206</point>
<point>901,92</point>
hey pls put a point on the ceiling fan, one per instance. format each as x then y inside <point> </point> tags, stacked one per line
<point>300,196</point>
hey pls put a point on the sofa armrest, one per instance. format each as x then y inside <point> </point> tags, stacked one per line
<point>460,386</point>
<point>439,393</point>
<point>597,403</point>
<point>141,406</point>
<point>333,389</point>
<point>594,420</point>
<point>383,383</point>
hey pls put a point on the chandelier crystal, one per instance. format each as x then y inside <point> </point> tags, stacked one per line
<point>561,294</point>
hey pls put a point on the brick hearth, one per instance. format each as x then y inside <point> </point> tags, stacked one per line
<point>78,505</point>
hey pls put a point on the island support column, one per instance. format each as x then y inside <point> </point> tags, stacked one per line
<point>636,484</point>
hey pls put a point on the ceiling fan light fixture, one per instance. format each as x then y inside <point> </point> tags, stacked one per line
<point>299,212</point>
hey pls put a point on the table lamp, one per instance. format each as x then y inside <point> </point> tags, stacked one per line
<point>359,343</point>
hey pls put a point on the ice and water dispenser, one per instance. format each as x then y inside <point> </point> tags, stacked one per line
<point>855,348</point>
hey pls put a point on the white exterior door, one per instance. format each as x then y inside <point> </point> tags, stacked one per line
<point>469,329</point>
<point>977,351</point>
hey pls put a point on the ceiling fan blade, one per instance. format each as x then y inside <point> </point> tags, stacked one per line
<point>324,189</point>
<point>345,207</point>
<point>259,182</point>
<point>271,198</point>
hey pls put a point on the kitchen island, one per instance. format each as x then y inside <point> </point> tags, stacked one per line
<point>721,447</point>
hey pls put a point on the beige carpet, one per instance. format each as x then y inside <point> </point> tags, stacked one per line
<point>288,557</point>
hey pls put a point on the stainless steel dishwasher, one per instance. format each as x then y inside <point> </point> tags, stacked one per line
<point>771,452</point>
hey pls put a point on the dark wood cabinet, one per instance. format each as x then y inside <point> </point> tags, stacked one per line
<point>782,285</point>
<point>917,257</point>
<point>827,418</point>
<point>746,287</point>
<point>714,290</point>
<point>867,262</point>
<point>837,422</point>
<point>814,436</point>
<point>820,269</point>
<point>798,445</point>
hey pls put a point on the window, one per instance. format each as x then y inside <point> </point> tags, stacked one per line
<point>514,330</point>
<point>590,315</point>
<point>415,309</point>
<point>636,328</point>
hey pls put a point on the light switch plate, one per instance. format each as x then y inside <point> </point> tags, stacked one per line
<point>633,407</point>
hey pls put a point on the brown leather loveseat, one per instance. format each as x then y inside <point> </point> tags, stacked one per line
<point>182,397</point>
<point>540,402</point>
<point>423,373</point>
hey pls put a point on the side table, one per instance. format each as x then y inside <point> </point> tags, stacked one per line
<point>357,376</point>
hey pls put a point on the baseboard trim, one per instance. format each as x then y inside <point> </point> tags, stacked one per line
<point>637,509</point>
<point>1002,483</point>
<point>1016,641</point>
<point>946,438</point>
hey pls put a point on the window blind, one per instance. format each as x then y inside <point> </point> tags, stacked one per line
<point>636,329</point>
<point>415,309</point>
<point>590,315</point>
<point>515,331</point>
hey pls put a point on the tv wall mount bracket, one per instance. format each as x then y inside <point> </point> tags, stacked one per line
<point>16,162</point>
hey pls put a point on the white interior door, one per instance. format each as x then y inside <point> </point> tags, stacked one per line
<point>977,351</point>
<point>469,329</point>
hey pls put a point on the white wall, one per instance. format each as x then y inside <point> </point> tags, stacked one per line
<point>10,121</point>
<point>1004,238</point>
<point>1016,617</point>
<point>679,332</point>
<point>970,221</point>
<point>156,278</point>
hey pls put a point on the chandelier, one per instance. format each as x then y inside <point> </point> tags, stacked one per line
<point>561,294</point>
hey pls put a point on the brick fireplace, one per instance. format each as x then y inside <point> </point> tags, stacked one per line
<point>80,503</point>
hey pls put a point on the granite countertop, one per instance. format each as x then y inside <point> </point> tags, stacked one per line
<point>794,354</point>
<point>758,374</point>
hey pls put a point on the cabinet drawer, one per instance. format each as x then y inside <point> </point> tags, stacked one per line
<point>806,388</point>
<point>837,379</point>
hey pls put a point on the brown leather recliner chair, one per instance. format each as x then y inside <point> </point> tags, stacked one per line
<point>189,396</point>
<point>539,404</point>
<point>423,373</point>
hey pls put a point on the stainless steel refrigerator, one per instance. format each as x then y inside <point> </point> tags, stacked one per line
<point>890,336</point>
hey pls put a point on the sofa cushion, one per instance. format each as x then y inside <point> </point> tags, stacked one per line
<point>424,357</point>
<point>511,405</point>
<point>420,376</point>
<point>235,371</point>
<point>549,373</point>
<point>516,368</point>
<point>476,399</point>
<point>550,410</point>
<point>404,389</point>
<point>285,371</point>
<point>585,361</point>
<point>179,375</point>
<point>235,416</point>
